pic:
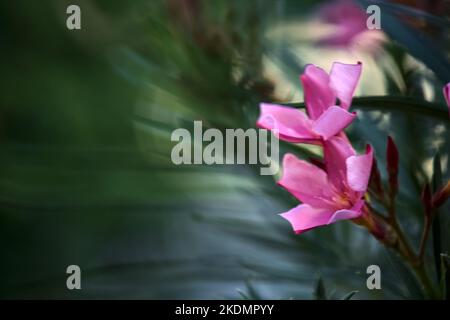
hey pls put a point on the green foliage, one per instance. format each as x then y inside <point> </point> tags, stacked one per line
<point>320,291</point>
<point>349,295</point>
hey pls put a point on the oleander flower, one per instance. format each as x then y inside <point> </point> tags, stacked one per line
<point>331,194</point>
<point>348,22</point>
<point>325,118</point>
<point>447,95</point>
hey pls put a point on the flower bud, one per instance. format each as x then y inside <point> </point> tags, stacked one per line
<point>441,196</point>
<point>375,184</point>
<point>392,163</point>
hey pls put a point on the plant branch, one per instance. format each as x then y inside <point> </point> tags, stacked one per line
<point>397,240</point>
<point>423,240</point>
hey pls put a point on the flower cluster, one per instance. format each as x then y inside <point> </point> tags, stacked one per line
<point>333,190</point>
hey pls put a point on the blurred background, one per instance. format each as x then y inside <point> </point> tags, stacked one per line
<point>85,123</point>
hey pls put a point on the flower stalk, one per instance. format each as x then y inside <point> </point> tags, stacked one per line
<point>389,232</point>
<point>392,169</point>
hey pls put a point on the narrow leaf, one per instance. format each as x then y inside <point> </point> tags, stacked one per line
<point>445,280</point>
<point>349,295</point>
<point>395,103</point>
<point>320,292</point>
<point>437,243</point>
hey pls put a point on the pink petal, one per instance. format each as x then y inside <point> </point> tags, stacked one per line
<point>346,214</point>
<point>318,94</point>
<point>332,121</point>
<point>447,95</point>
<point>305,181</point>
<point>348,20</point>
<point>289,124</point>
<point>304,217</point>
<point>358,170</point>
<point>343,79</point>
<point>336,151</point>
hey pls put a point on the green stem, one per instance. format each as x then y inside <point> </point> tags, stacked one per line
<point>423,240</point>
<point>425,280</point>
<point>415,261</point>
<point>400,243</point>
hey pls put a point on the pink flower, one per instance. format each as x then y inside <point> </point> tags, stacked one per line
<point>349,25</point>
<point>447,95</point>
<point>347,17</point>
<point>329,195</point>
<point>325,119</point>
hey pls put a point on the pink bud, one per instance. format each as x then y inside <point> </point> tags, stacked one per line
<point>441,196</point>
<point>392,165</point>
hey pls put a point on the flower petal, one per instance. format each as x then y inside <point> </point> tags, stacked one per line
<point>336,151</point>
<point>358,170</point>
<point>346,214</point>
<point>343,80</point>
<point>332,121</point>
<point>304,217</point>
<point>306,182</point>
<point>447,95</point>
<point>288,124</point>
<point>318,93</point>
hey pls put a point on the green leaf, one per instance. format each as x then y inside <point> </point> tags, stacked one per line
<point>320,291</point>
<point>349,295</point>
<point>243,295</point>
<point>437,241</point>
<point>394,103</point>
<point>251,293</point>
<point>445,280</point>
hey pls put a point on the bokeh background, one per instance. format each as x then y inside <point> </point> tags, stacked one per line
<point>85,123</point>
